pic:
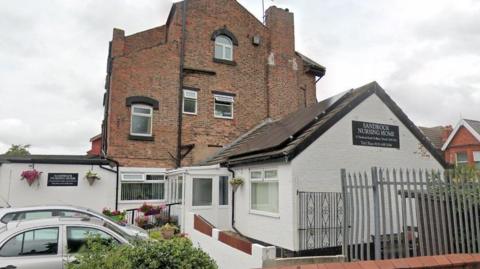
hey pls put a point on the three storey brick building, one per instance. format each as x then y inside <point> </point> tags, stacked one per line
<point>177,93</point>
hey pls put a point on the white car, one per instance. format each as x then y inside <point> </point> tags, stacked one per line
<point>49,243</point>
<point>41,212</point>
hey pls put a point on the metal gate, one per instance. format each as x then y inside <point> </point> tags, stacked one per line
<point>406,213</point>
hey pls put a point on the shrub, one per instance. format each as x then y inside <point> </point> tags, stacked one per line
<point>177,253</point>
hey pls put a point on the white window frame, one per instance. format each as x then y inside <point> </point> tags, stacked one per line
<point>222,98</point>
<point>263,179</point>
<point>462,162</point>
<point>145,181</point>
<point>228,191</point>
<point>223,47</point>
<point>213,193</point>
<point>195,94</point>
<point>133,113</point>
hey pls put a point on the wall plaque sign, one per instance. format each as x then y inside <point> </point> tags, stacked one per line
<point>375,135</point>
<point>62,179</point>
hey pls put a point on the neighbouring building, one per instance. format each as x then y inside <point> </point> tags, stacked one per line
<point>462,147</point>
<point>437,135</point>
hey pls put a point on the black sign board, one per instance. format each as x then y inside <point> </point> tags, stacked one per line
<point>62,180</point>
<point>375,134</point>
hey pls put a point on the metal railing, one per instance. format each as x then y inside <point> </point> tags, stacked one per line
<point>408,213</point>
<point>165,215</point>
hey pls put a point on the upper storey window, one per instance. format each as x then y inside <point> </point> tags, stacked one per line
<point>223,48</point>
<point>141,123</point>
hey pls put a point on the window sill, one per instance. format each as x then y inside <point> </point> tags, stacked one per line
<point>265,214</point>
<point>222,61</point>
<point>200,207</point>
<point>223,118</point>
<point>189,113</point>
<point>141,138</point>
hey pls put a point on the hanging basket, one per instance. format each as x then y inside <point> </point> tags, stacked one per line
<point>91,177</point>
<point>31,176</point>
<point>236,182</point>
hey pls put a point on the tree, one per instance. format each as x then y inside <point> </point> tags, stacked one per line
<point>18,150</point>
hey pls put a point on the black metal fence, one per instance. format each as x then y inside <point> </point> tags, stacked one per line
<point>407,213</point>
<point>152,220</point>
<point>320,221</point>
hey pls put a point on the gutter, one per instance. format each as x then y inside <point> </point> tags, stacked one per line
<point>233,205</point>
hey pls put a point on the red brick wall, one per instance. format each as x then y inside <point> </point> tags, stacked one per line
<point>463,141</point>
<point>452,261</point>
<point>147,64</point>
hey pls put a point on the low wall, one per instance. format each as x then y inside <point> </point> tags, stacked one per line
<point>453,261</point>
<point>228,251</point>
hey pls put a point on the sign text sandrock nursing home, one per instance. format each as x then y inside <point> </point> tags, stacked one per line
<point>375,134</point>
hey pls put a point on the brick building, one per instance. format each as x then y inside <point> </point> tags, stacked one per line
<point>463,144</point>
<point>176,95</point>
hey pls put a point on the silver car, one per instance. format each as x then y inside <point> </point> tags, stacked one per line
<point>49,243</point>
<point>40,212</point>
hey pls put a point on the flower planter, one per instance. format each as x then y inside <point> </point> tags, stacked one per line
<point>236,182</point>
<point>91,177</point>
<point>31,176</point>
<point>91,180</point>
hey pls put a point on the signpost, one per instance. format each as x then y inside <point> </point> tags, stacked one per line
<point>62,179</point>
<point>375,135</point>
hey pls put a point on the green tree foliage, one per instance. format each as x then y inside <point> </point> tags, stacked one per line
<point>18,150</point>
<point>177,253</point>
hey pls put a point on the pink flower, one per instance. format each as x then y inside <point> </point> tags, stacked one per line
<point>31,176</point>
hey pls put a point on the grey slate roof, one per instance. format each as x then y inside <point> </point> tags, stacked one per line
<point>474,124</point>
<point>435,135</point>
<point>287,137</point>
<point>55,159</point>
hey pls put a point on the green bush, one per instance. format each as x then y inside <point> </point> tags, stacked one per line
<point>177,253</point>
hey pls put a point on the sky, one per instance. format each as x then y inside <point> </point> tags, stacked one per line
<point>53,59</point>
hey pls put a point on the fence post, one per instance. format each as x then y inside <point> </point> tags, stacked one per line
<point>376,212</point>
<point>345,210</point>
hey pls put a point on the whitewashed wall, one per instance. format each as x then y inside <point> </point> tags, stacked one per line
<point>226,256</point>
<point>277,230</point>
<point>317,168</point>
<point>18,193</point>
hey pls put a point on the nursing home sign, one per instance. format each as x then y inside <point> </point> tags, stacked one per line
<point>375,134</point>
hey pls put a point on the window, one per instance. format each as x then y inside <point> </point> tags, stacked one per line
<point>223,106</point>
<point>264,191</point>
<point>202,192</point>
<point>176,188</point>
<point>180,188</point>
<point>140,187</point>
<point>77,237</point>
<point>223,48</point>
<point>35,242</point>
<point>476,159</point>
<point>189,102</point>
<point>461,159</point>
<point>223,190</point>
<point>141,123</point>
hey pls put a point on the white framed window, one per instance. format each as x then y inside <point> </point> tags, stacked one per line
<point>223,48</point>
<point>461,158</point>
<point>142,187</point>
<point>223,106</point>
<point>223,190</point>
<point>176,188</point>
<point>264,196</point>
<point>202,192</point>
<point>476,159</point>
<point>189,102</point>
<point>141,120</point>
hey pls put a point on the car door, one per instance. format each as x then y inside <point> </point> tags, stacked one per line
<point>38,248</point>
<point>76,237</point>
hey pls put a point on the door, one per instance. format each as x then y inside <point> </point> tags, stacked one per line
<point>33,249</point>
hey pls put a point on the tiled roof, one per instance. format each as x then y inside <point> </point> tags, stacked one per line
<point>287,137</point>
<point>474,124</point>
<point>435,135</point>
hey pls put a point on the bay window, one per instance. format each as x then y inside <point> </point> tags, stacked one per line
<point>264,195</point>
<point>142,187</point>
<point>202,192</point>
<point>141,120</point>
<point>223,106</point>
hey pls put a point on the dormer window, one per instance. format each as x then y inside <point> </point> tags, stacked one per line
<point>223,48</point>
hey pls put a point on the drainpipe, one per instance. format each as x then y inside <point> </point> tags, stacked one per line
<point>117,164</point>
<point>178,161</point>
<point>233,204</point>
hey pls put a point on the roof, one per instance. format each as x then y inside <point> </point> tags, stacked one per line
<point>289,136</point>
<point>55,159</point>
<point>473,126</point>
<point>314,67</point>
<point>435,135</point>
<point>98,136</point>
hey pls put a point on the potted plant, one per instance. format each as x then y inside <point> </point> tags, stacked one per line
<point>168,230</point>
<point>115,215</point>
<point>91,177</point>
<point>141,221</point>
<point>30,176</point>
<point>149,210</point>
<point>236,182</point>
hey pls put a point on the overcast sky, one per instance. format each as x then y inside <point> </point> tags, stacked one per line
<point>53,59</point>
